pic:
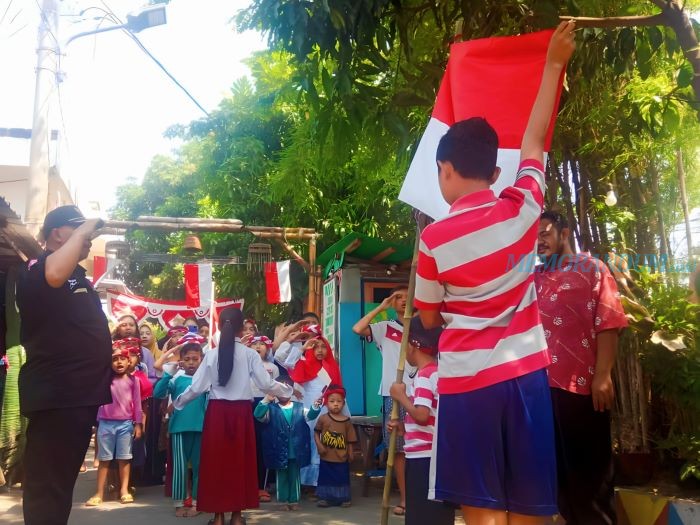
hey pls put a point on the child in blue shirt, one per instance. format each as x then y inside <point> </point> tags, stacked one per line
<point>286,442</point>
<point>185,427</point>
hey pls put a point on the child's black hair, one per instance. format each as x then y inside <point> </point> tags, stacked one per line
<point>472,147</point>
<point>286,380</point>
<point>191,347</point>
<point>306,315</point>
<point>398,288</point>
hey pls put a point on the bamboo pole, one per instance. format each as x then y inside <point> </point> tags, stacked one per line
<point>684,203</point>
<point>263,232</point>
<point>311,297</point>
<point>188,220</point>
<point>659,19</point>
<point>408,314</point>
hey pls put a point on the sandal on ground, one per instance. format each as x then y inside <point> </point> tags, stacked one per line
<point>399,510</point>
<point>94,502</point>
<point>322,503</point>
<point>126,498</point>
<point>83,468</point>
<point>264,496</point>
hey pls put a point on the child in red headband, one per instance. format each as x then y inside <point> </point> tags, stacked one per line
<point>119,423</point>
<point>419,426</point>
<point>139,372</point>
<point>250,328</point>
<point>171,349</point>
<point>334,438</point>
<point>263,346</point>
<point>286,445</point>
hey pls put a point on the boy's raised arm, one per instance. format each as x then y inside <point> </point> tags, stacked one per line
<point>561,47</point>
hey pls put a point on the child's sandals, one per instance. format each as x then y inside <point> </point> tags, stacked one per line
<point>126,498</point>
<point>95,501</point>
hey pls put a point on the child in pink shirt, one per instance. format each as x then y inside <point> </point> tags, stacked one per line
<point>119,423</point>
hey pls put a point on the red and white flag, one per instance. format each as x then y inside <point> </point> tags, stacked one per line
<point>277,282</point>
<point>199,285</point>
<point>494,78</point>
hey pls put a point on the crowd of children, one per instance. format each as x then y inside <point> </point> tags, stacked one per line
<point>299,422</point>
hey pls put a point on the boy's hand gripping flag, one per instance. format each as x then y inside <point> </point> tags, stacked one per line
<point>495,78</point>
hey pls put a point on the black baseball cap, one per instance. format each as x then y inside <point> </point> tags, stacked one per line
<point>62,216</point>
<point>426,340</point>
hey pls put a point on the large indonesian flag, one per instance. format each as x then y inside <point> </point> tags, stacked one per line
<point>495,78</point>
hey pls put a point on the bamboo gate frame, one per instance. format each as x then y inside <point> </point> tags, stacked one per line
<point>196,224</point>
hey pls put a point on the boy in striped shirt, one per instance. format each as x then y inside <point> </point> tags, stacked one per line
<point>494,449</point>
<point>419,426</point>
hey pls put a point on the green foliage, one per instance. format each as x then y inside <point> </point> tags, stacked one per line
<point>674,370</point>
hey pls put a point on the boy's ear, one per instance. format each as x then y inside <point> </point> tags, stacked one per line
<point>446,167</point>
<point>494,177</point>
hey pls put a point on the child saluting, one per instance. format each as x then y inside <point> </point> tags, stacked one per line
<point>334,437</point>
<point>286,442</point>
<point>119,423</point>
<point>185,426</point>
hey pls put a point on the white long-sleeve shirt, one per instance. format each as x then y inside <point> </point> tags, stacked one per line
<point>247,366</point>
<point>288,354</point>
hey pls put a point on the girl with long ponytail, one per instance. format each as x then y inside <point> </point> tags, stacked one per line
<point>228,436</point>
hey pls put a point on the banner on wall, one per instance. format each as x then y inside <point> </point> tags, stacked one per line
<point>164,311</point>
<point>330,303</point>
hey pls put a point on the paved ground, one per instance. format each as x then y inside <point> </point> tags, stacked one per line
<point>151,507</point>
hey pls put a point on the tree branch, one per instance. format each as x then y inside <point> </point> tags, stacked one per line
<point>619,21</point>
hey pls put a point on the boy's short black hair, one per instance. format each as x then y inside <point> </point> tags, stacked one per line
<point>422,337</point>
<point>286,380</point>
<point>398,288</point>
<point>202,322</point>
<point>472,147</point>
<point>191,347</point>
<point>556,218</point>
<point>306,315</point>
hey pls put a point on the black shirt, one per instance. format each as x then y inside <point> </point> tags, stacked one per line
<point>66,336</point>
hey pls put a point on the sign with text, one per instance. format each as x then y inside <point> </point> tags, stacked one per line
<point>330,296</point>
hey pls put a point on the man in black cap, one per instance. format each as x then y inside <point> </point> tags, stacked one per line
<point>68,370</point>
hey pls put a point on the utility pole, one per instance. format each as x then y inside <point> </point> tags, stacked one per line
<point>39,160</point>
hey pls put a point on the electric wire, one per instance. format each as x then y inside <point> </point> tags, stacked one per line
<point>143,48</point>
<point>9,4</point>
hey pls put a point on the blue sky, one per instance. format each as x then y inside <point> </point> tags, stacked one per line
<point>115,103</point>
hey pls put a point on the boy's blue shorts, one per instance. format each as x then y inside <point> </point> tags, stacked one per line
<point>114,440</point>
<point>494,448</point>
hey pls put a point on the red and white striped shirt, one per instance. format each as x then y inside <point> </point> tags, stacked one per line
<point>419,438</point>
<point>468,269</point>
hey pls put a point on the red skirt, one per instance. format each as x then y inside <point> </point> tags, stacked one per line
<point>228,474</point>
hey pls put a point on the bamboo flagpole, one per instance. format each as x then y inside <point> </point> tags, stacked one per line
<point>408,314</point>
<point>212,312</point>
